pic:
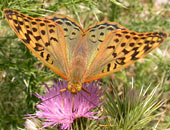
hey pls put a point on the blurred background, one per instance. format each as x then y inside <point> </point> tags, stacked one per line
<point>21,74</point>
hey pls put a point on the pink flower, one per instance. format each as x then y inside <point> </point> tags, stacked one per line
<point>57,108</point>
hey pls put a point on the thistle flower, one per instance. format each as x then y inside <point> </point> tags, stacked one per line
<point>57,108</point>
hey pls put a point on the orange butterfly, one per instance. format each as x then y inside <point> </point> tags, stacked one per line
<point>79,55</point>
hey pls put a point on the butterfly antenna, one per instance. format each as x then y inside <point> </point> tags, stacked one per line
<point>86,92</point>
<point>62,90</point>
<point>52,97</point>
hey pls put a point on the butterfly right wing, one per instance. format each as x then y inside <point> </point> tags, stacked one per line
<point>122,48</point>
<point>43,37</point>
<point>73,33</point>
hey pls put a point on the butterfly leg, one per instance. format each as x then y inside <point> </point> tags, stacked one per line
<point>73,103</point>
<point>86,92</point>
<point>61,91</point>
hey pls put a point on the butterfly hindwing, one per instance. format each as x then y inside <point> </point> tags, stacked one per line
<point>73,33</point>
<point>95,36</point>
<point>43,37</point>
<point>122,48</point>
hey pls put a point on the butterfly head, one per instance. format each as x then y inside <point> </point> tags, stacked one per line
<point>74,88</point>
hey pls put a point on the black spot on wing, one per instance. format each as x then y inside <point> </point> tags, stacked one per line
<point>33,23</point>
<point>147,42</point>
<point>21,23</point>
<point>115,66</point>
<point>125,51</point>
<point>102,33</point>
<point>27,26</point>
<point>65,29</point>
<point>147,48</point>
<point>135,49</point>
<point>18,28</point>
<point>47,44</point>
<point>8,11</point>
<point>134,55</point>
<point>123,44</point>
<point>100,40</point>
<point>125,32</point>
<point>141,34</point>
<point>108,67</point>
<point>135,38</point>
<point>163,34</point>
<point>51,31</point>
<point>38,20</point>
<point>42,54</point>
<point>59,22</point>
<point>38,47</point>
<point>119,35</point>
<point>73,33</point>
<point>111,47</point>
<point>139,43</point>
<point>116,40</point>
<point>34,29</point>
<point>77,29</point>
<point>133,33</point>
<point>54,39</point>
<point>51,25</point>
<point>93,36</point>
<point>101,27</point>
<point>37,38</point>
<point>29,18</point>
<point>114,54</point>
<point>48,57</point>
<point>42,24</point>
<point>46,21</point>
<point>29,32</point>
<point>120,60</point>
<point>28,39</point>
<point>26,20</point>
<point>43,32</point>
<point>92,30</point>
<point>127,36</point>
<point>68,23</point>
<point>131,44</point>
<point>15,21</point>
<point>110,28</point>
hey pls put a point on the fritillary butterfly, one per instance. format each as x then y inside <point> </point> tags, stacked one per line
<point>79,55</point>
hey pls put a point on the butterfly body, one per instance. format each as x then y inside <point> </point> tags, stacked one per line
<point>79,55</point>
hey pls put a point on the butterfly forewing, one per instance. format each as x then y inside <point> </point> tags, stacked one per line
<point>122,48</point>
<point>43,37</point>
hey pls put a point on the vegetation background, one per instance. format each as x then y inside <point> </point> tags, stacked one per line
<point>21,74</point>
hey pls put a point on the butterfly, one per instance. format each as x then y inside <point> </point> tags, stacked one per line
<point>81,55</point>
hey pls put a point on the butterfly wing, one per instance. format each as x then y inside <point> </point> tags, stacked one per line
<point>73,33</point>
<point>43,37</point>
<point>95,36</point>
<point>121,48</point>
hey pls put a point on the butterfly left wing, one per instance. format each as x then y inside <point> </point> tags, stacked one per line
<point>95,35</point>
<point>121,48</point>
<point>43,37</point>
